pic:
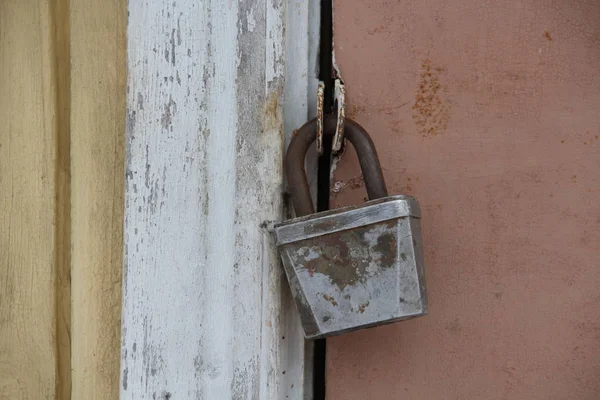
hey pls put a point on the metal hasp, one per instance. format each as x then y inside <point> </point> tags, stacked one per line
<point>354,267</point>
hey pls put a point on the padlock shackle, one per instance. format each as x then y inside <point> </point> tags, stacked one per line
<point>296,153</point>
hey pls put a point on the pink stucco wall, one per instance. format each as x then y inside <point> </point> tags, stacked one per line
<point>489,113</point>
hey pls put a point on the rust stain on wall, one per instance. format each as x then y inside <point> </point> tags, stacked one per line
<point>430,113</point>
<point>355,182</point>
<point>355,110</point>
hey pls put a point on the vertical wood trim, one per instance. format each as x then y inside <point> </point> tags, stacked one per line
<point>38,209</point>
<point>98,70</point>
<point>62,239</point>
<point>300,89</point>
<point>27,201</point>
<point>201,299</point>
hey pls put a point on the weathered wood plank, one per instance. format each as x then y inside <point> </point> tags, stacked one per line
<point>27,201</point>
<point>62,217</point>
<point>98,73</point>
<point>40,211</point>
<point>201,300</point>
<point>300,89</point>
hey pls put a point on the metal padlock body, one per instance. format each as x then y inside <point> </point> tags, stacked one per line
<point>354,267</point>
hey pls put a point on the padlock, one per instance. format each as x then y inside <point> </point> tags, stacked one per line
<point>354,267</point>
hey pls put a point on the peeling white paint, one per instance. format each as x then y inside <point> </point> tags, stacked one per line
<point>301,66</point>
<point>302,20</point>
<point>203,312</point>
<point>251,21</point>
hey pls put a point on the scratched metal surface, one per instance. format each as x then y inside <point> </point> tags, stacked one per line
<point>351,277</point>
<point>326,222</point>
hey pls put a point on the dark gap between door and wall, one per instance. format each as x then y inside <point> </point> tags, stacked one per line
<point>324,167</point>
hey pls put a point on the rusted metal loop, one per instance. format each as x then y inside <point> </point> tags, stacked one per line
<point>340,99</point>
<point>296,153</point>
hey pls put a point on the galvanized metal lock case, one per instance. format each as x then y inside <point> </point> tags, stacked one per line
<point>354,267</point>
